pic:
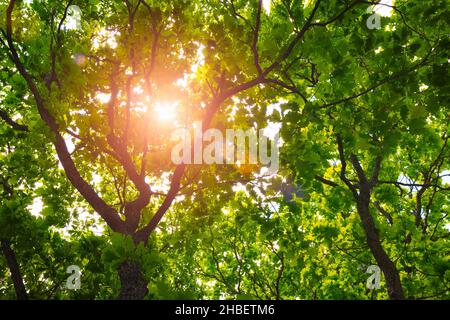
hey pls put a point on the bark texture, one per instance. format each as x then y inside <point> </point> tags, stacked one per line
<point>133,284</point>
<point>14,269</point>
<point>391,275</point>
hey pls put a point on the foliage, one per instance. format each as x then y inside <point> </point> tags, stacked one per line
<point>86,130</point>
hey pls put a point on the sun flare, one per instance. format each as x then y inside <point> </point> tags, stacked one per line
<point>166,111</point>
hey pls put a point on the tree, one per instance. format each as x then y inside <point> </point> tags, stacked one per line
<point>365,140</point>
<point>101,87</point>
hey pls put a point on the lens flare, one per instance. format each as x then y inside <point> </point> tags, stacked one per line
<point>166,111</point>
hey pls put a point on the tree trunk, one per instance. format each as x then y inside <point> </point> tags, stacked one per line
<point>133,284</point>
<point>386,265</point>
<point>14,269</point>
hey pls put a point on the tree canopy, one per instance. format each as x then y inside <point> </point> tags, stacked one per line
<point>91,93</point>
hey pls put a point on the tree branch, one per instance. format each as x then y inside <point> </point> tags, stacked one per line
<point>344,166</point>
<point>12,123</point>
<point>108,213</point>
<point>14,269</point>
<point>255,39</point>
<point>325,181</point>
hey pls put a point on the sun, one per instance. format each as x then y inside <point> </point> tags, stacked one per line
<point>166,111</point>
